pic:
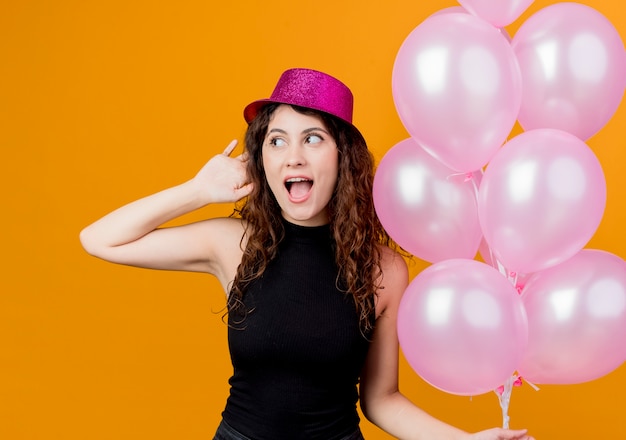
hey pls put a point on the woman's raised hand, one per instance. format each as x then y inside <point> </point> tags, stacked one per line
<point>223,179</point>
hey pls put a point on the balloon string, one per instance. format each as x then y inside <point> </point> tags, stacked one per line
<point>532,385</point>
<point>508,274</point>
<point>504,396</point>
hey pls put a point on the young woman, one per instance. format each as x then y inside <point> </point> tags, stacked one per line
<point>312,283</point>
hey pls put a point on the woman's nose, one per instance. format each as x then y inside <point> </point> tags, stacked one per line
<point>295,157</point>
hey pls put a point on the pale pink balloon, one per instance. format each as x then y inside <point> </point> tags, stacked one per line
<point>541,199</point>
<point>427,208</point>
<point>576,319</point>
<point>461,9</point>
<point>457,89</point>
<point>497,12</point>
<point>462,327</point>
<point>573,68</point>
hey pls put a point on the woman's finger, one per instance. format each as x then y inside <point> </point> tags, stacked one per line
<point>229,149</point>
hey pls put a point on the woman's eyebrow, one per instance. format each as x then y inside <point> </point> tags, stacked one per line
<point>278,130</point>
<point>309,130</point>
<point>306,131</point>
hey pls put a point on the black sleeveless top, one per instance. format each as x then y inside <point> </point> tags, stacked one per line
<point>298,353</point>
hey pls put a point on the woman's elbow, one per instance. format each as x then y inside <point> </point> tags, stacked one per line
<point>90,243</point>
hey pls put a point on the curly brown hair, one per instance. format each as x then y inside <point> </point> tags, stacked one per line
<point>356,230</point>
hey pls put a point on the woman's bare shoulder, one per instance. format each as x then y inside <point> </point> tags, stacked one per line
<point>222,235</point>
<point>395,278</point>
<point>221,242</point>
<point>234,227</point>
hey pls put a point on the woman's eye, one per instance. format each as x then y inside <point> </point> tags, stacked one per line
<point>313,139</point>
<point>277,142</point>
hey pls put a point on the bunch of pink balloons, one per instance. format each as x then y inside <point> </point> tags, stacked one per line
<point>540,304</point>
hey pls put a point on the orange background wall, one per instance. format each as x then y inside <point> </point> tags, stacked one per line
<point>102,102</point>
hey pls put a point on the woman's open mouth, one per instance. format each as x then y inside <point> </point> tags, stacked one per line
<point>298,187</point>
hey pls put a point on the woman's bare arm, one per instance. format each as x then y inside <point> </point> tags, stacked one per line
<point>132,235</point>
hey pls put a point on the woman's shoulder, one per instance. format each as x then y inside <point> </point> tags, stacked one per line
<point>225,232</point>
<point>394,277</point>
<point>392,262</point>
<point>230,225</point>
<point>223,239</point>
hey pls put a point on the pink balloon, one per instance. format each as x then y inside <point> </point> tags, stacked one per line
<point>457,89</point>
<point>573,68</point>
<point>427,208</point>
<point>497,12</point>
<point>541,199</point>
<point>576,319</point>
<point>462,327</point>
<point>461,9</point>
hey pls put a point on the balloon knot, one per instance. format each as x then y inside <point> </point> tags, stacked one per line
<point>516,383</point>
